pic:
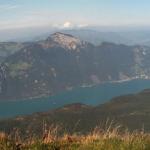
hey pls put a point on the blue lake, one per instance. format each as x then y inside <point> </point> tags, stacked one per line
<point>90,95</point>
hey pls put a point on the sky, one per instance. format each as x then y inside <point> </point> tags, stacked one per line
<point>73,13</point>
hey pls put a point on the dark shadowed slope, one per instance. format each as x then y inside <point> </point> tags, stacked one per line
<point>131,111</point>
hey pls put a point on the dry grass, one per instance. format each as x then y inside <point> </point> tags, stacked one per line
<point>99,139</point>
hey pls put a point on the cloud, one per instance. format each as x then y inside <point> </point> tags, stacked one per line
<point>37,18</point>
<point>67,24</point>
<point>70,25</point>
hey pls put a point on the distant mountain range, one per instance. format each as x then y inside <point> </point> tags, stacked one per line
<point>62,62</point>
<point>94,35</point>
<point>130,111</point>
<point>97,37</point>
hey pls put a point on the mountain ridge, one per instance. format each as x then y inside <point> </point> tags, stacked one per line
<point>47,67</point>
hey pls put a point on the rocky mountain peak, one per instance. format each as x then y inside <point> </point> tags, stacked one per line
<point>66,41</point>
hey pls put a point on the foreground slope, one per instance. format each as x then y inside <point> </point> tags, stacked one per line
<point>109,139</point>
<point>130,111</point>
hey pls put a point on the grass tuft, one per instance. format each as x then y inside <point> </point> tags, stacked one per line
<point>110,138</point>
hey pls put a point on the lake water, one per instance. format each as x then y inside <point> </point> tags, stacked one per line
<point>90,95</point>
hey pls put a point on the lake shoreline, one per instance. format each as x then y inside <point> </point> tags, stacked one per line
<point>94,95</point>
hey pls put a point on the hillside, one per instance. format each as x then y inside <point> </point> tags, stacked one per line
<point>109,139</point>
<point>9,48</point>
<point>130,111</point>
<point>62,62</point>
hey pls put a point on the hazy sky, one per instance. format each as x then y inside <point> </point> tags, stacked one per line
<point>67,13</point>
